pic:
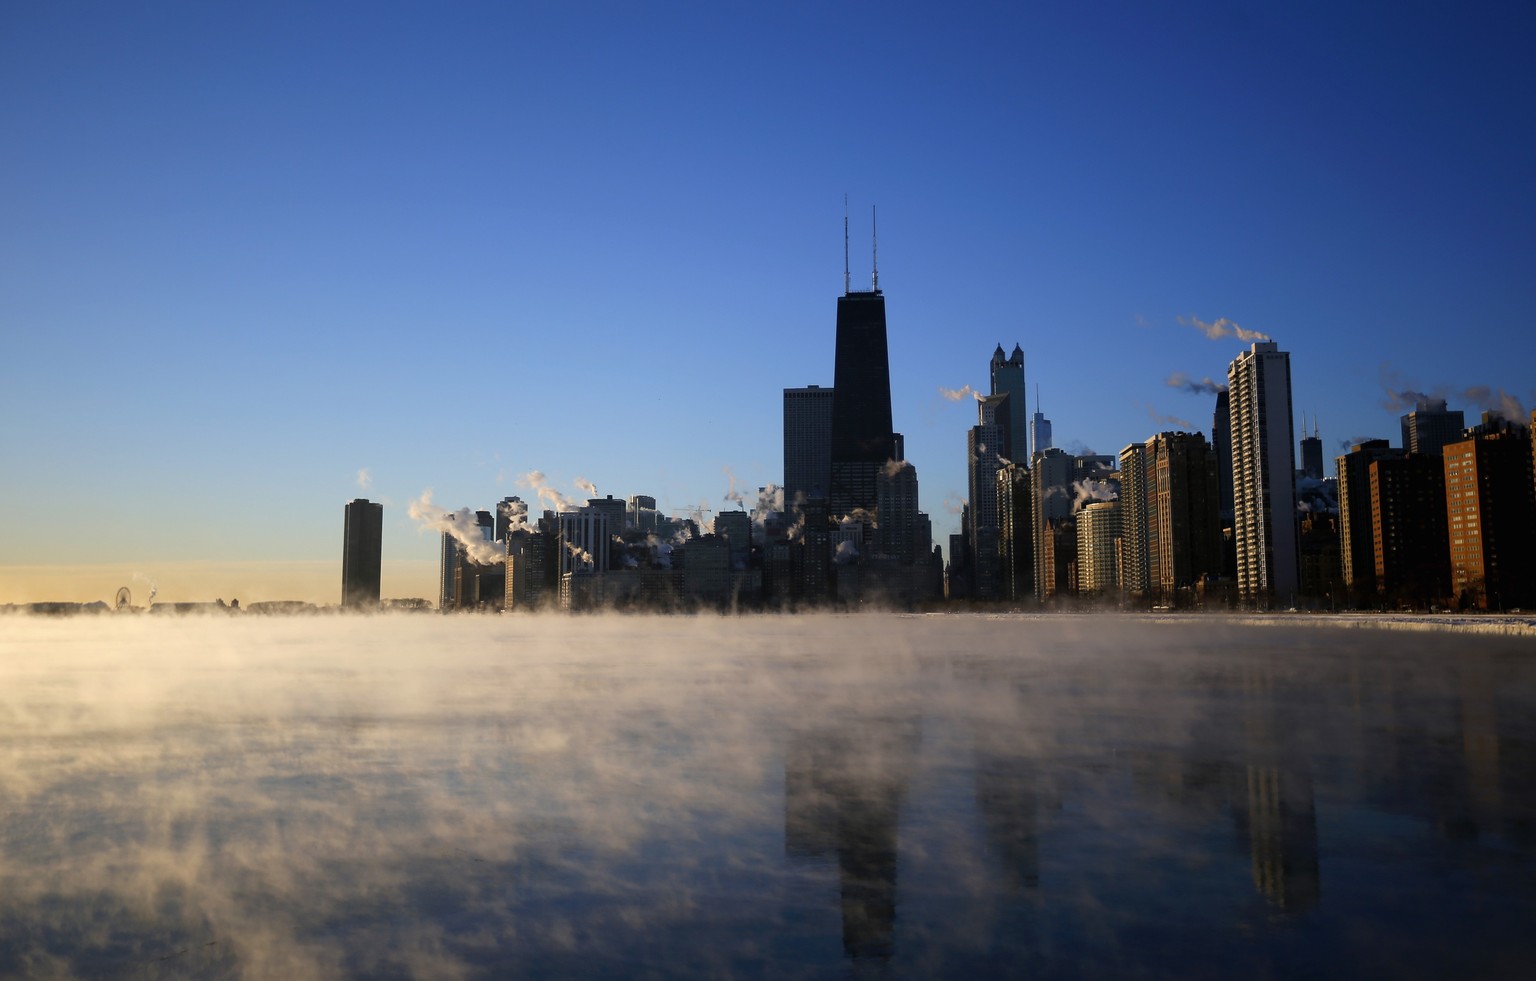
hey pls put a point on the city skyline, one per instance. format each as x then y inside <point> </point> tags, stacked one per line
<point>254,273</point>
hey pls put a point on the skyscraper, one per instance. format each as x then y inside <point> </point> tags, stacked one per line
<point>1491,515</point>
<point>1311,451</point>
<point>807,442</point>
<point>862,438</point>
<point>1408,530</point>
<point>984,452</point>
<point>1263,474</point>
<point>1051,502</point>
<point>1008,379</point>
<point>1430,426</point>
<point>1039,429</point>
<point>362,554</point>
<point>1357,555</point>
<point>1183,534</point>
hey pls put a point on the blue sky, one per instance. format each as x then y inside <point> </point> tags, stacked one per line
<point>247,251</point>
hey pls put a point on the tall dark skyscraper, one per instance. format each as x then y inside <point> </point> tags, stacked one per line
<point>1008,379</point>
<point>862,440</point>
<point>807,442</point>
<point>362,553</point>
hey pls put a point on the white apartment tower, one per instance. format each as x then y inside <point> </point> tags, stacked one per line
<point>1263,474</point>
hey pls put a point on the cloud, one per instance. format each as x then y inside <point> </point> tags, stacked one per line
<point>1205,386</point>
<point>1222,327</point>
<point>957,394</point>
<point>586,486</point>
<point>364,479</point>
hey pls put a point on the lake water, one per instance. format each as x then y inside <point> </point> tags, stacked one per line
<point>882,796</point>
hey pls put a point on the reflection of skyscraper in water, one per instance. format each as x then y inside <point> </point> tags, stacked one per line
<point>843,791</point>
<point>1280,818</point>
<point>1009,804</point>
<point>1276,809</point>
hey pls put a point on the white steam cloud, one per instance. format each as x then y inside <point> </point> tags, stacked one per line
<point>958,394</point>
<point>1088,490</point>
<point>1222,327</point>
<point>461,524</point>
<point>364,479</point>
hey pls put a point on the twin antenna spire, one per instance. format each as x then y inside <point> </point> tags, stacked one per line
<point>875,247</point>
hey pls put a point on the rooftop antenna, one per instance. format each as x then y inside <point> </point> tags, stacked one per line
<point>1037,398</point>
<point>847,288</point>
<point>874,240</point>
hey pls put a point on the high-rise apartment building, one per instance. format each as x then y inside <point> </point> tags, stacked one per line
<point>1184,536</point>
<point>1008,379</point>
<point>1430,426</point>
<point>807,442</point>
<point>1263,474</point>
<point>362,553</point>
<point>1408,530</point>
<point>1135,496</point>
<point>1098,538</point>
<point>1357,550</point>
<point>1491,517</point>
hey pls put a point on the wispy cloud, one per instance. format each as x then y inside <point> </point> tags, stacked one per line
<point>957,394</point>
<point>1222,327</point>
<point>364,479</point>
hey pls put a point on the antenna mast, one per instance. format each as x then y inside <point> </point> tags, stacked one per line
<point>874,241</point>
<point>847,288</point>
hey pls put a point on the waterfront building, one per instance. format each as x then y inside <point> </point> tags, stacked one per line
<point>1263,475</point>
<point>362,552</point>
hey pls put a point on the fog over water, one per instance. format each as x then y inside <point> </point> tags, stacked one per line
<point>817,796</point>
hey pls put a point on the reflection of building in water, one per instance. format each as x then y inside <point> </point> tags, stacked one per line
<point>1281,820</point>
<point>843,790</point>
<point>1009,804</point>
<point>1276,808</point>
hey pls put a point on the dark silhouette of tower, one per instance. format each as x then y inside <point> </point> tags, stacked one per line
<point>362,554</point>
<point>862,440</point>
<point>1008,379</point>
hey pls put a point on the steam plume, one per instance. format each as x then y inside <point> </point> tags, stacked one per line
<point>1204,386</point>
<point>586,486</point>
<point>534,480</point>
<point>1089,490</point>
<point>956,394</point>
<point>1222,327</point>
<point>460,524</point>
<point>1158,417</point>
<point>364,479</point>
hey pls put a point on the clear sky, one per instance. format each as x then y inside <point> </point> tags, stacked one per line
<point>250,252</point>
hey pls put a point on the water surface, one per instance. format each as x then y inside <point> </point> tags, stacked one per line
<point>763,796</point>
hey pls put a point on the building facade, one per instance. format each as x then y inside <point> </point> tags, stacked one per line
<point>807,442</point>
<point>1263,475</point>
<point>362,552</point>
<point>1430,426</point>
